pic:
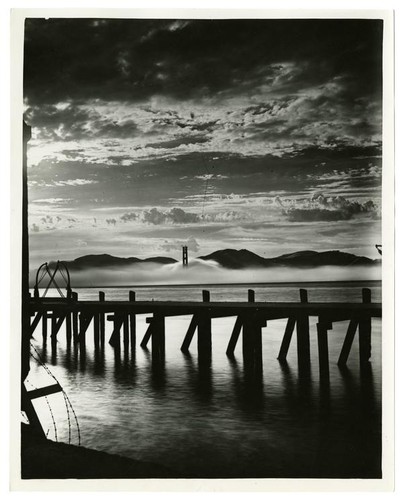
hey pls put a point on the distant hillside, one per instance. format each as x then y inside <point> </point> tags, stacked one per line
<point>240,259</point>
<point>236,259</point>
<point>232,259</point>
<point>106,260</point>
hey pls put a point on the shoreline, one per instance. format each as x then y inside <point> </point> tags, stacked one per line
<point>42,458</point>
<point>266,284</point>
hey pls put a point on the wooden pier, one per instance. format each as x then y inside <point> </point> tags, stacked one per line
<point>252,316</point>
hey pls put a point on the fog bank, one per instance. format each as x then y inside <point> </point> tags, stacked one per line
<point>202,272</point>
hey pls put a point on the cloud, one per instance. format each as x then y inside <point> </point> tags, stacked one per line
<point>176,245</point>
<point>129,216</point>
<point>330,208</point>
<point>75,182</point>
<point>175,216</point>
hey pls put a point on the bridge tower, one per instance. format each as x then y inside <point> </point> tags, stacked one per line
<point>185,256</point>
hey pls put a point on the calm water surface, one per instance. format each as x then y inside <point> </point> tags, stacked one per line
<point>218,421</point>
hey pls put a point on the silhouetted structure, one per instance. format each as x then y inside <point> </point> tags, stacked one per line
<point>185,256</point>
<point>251,318</point>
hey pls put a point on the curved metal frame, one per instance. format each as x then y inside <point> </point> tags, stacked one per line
<point>59,267</point>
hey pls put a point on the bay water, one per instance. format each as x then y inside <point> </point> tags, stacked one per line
<point>216,421</point>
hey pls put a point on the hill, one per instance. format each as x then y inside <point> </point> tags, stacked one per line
<point>232,259</point>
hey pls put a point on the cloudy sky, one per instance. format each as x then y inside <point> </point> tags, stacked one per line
<point>149,134</point>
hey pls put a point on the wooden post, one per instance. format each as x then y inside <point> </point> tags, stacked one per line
<point>75,325</point>
<point>53,324</point>
<point>35,323</point>
<point>251,295</point>
<point>158,339</point>
<point>303,347</point>
<point>348,341</point>
<point>82,330</point>
<point>234,337</point>
<point>364,330</point>
<point>114,341</point>
<point>252,343</point>
<point>102,321</point>
<point>57,322</point>
<point>45,325</point>
<point>68,327</point>
<point>285,344</point>
<point>96,331</point>
<point>189,334</point>
<point>204,330</point>
<point>148,333</point>
<point>132,318</point>
<point>204,336</point>
<point>323,348</point>
<point>126,333</point>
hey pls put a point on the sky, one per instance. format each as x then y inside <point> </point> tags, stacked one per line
<point>151,134</point>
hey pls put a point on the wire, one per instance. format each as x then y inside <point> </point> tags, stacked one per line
<point>67,399</point>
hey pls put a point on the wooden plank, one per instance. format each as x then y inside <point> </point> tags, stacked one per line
<point>285,344</point>
<point>348,341</point>
<point>189,334</point>
<point>44,391</point>
<point>234,336</point>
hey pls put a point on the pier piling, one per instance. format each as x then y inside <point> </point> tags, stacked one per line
<point>45,326</point>
<point>148,333</point>
<point>285,344</point>
<point>158,339</point>
<point>204,344</point>
<point>303,347</point>
<point>234,337</point>
<point>348,342</point>
<point>189,334</point>
<point>68,328</point>
<point>323,348</point>
<point>102,322</point>
<point>132,321</point>
<point>364,331</point>
<point>114,340</point>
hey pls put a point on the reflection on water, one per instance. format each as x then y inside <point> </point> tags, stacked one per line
<point>216,418</point>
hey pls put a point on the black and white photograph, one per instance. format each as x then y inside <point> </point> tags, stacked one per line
<point>202,245</point>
